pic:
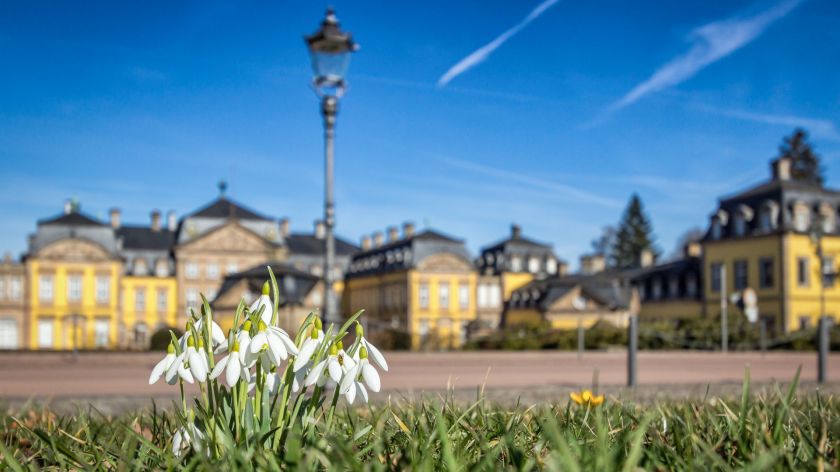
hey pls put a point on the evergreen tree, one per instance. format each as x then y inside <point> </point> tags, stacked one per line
<point>805,164</point>
<point>635,234</point>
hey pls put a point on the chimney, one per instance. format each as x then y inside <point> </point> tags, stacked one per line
<point>646,258</point>
<point>692,249</point>
<point>393,234</point>
<point>68,206</point>
<point>378,239</point>
<point>320,229</point>
<point>365,243</point>
<point>781,168</point>
<point>116,218</point>
<point>284,227</point>
<point>592,264</point>
<point>408,230</point>
<point>171,221</point>
<point>155,220</point>
<point>515,231</point>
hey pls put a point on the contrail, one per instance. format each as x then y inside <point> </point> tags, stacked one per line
<point>482,53</point>
<point>710,43</point>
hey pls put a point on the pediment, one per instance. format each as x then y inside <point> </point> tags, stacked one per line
<point>74,250</point>
<point>230,237</point>
<point>576,300</point>
<point>444,262</point>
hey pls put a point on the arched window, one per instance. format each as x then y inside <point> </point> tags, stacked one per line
<point>140,267</point>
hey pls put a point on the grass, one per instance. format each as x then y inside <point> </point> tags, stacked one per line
<point>779,431</point>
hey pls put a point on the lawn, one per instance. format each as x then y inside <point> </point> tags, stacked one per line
<point>779,430</point>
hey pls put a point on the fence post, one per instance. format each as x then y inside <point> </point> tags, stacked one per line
<point>581,341</point>
<point>822,349</point>
<point>632,348</point>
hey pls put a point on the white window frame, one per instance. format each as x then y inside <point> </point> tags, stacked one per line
<point>443,295</point>
<point>423,296</point>
<point>9,333</point>
<point>101,332</point>
<point>551,265</point>
<point>515,263</point>
<point>46,288</point>
<point>191,270</point>
<point>15,288</point>
<point>74,288</point>
<point>533,265</point>
<point>495,295</point>
<point>162,299</point>
<point>213,271</point>
<point>232,268</point>
<point>46,333</point>
<point>191,298</point>
<point>103,288</point>
<point>483,295</point>
<point>2,288</point>
<point>140,299</point>
<point>464,296</point>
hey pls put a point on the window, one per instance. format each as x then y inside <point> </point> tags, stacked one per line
<point>212,271</point>
<point>141,332</point>
<point>656,288</point>
<point>103,288</point>
<point>801,218</point>
<point>140,299</point>
<point>140,267</point>
<point>515,263</point>
<point>423,328</point>
<point>483,295</point>
<point>101,332</point>
<point>232,268</point>
<point>45,288</point>
<point>423,294</point>
<point>464,296</point>
<point>717,229</point>
<point>715,274</point>
<point>15,289</point>
<point>162,300</point>
<point>533,265</point>
<point>191,270</point>
<point>740,225</point>
<point>495,295</point>
<point>192,298</point>
<point>45,333</point>
<point>8,333</point>
<point>828,221</point>
<point>691,286</point>
<point>802,269</point>
<point>765,220</point>
<point>740,272</point>
<point>162,268</point>
<point>2,288</point>
<point>551,265</point>
<point>673,287</point>
<point>74,288</point>
<point>443,295</point>
<point>828,271</point>
<point>804,321</point>
<point>765,272</point>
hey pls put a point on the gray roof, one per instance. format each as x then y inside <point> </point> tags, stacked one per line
<point>610,288</point>
<point>143,237</point>
<point>71,219</point>
<point>224,207</point>
<point>292,283</point>
<point>73,225</point>
<point>306,243</point>
<point>405,253</point>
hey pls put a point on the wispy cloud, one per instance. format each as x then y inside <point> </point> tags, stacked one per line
<point>817,127</point>
<point>482,53</point>
<point>710,43</point>
<point>562,189</point>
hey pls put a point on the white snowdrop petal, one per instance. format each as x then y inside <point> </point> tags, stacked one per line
<point>305,354</point>
<point>277,348</point>
<point>198,366</point>
<point>315,374</point>
<point>347,381</point>
<point>287,341</point>
<point>297,380</point>
<point>232,372</point>
<point>335,369</point>
<point>185,374</point>
<point>158,370</point>
<point>220,366</point>
<point>362,391</point>
<point>176,443</point>
<point>172,372</point>
<point>216,333</point>
<point>258,341</point>
<point>371,376</point>
<point>350,395</point>
<point>376,355</point>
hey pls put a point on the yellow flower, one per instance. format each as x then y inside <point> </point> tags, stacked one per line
<point>586,398</point>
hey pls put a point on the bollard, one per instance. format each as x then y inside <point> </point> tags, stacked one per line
<point>632,347</point>
<point>822,349</point>
<point>581,341</point>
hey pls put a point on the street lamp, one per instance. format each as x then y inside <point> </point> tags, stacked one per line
<point>329,51</point>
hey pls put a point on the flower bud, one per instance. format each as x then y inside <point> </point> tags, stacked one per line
<point>246,326</point>
<point>318,324</point>
<point>360,331</point>
<point>266,288</point>
<point>363,353</point>
<point>261,326</point>
<point>334,350</point>
<point>200,341</point>
<point>170,349</point>
<point>190,341</point>
<point>340,345</point>
<point>313,333</point>
<point>235,346</point>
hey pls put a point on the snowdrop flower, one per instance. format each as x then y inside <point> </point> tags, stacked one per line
<point>186,437</point>
<point>264,302</point>
<point>372,350</point>
<point>272,381</point>
<point>164,364</point>
<point>267,346</point>
<point>243,337</point>
<point>351,384</point>
<point>310,345</point>
<point>233,367</point>
<point>197,360</point>
<point>179,369</point>
<point>334,366</point>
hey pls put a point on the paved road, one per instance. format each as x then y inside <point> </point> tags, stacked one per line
<point>115,375</point>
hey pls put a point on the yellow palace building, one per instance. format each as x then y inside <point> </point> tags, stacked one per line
<point>768,238</point>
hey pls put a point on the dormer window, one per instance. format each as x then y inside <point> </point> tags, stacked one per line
<point>673,287</point>
<point>516,264</point>
<point>533,265</point>
<point>691,285</point>
<point>656,289</point>
<point>551,265</point>
<point>162,268</point>
<point>717,229</point>
<point>740,225</point>
<point>801,217</point>
<point>767,216</point>
<point>827,218</point>
<point>140,267</point>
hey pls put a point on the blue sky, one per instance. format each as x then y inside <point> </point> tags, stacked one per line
<point>464,116</point>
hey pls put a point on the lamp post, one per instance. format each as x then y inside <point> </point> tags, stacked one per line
<point>329,51</point>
